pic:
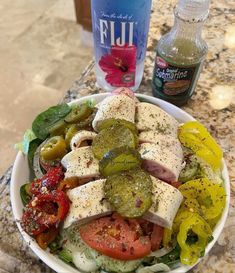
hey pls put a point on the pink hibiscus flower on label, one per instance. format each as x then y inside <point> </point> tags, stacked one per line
<point>120,66</point>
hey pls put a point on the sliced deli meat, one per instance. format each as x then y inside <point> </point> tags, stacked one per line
<point>80,137</point>
<point>152,117</point>
<point>124,91</point>
<point>118,107</point>
<point>81,163</point>
<point>167,142</point>
<point>161,162</point>
<point>87,203</point>
<point>166,202</point>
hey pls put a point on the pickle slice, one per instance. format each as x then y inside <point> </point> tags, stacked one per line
<point>112,137</point>
<point>119,159</point>
<point>111,121</point>
<point>129,192</point>
<point>79,113</point>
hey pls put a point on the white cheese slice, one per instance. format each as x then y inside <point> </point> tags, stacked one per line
<point>87,203</point>
<point>81,163</point>
<point>167,142</point>
<point>81,136</point>
<point>161,162</point>
<point>152,117</point>
<point>118,107</point>
<point>166,202</point>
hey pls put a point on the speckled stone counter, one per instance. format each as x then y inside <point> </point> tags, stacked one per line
<point>212,104</point>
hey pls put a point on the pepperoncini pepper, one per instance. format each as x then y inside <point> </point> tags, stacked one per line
<point>195,136</point>
<point>79,113</point>
<point>54,148</point>
<point>70,132</point>
<point>169,235</point>
<point>204,197</point>
<point>167,238</point>
<point>190,252</point>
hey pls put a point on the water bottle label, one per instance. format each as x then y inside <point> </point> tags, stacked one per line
<point>119,65</point>
<point>170,79</point>
<point>120,34</point>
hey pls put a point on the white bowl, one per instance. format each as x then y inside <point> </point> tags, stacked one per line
<point>20,176</point>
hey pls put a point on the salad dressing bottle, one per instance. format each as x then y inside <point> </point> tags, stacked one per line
<point>180,53</point>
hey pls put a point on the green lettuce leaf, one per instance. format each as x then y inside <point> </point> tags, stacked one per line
<point>159,267</point>
<point>27,138</point>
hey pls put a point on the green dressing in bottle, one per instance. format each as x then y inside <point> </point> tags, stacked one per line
<point>180,53</point>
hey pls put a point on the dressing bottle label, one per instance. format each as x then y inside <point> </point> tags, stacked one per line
<point>172,80</point>
<point>120,33</point>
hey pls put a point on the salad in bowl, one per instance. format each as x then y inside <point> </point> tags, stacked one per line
<point>119,183</point>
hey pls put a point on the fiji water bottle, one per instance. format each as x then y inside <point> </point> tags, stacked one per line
<point>120,30</point>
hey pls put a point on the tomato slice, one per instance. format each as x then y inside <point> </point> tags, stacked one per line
<point>154,231</point>
<point>156,237</point>
<point>116,237</point>
<point>146,226</point>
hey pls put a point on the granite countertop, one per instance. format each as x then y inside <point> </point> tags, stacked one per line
<point>212,104</point>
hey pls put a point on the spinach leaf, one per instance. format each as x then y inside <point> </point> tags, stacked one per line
<point>25,198</point>
<point>42,123</point>
<point>55,245</point>
<point>32,148</point>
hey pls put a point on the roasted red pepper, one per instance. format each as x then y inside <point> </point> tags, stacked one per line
<point>44,211</point>
<point>45,238</point>
<point>47,165</point>
<point>57,198</point>
<point>30,221</point>
<point>48,182</point>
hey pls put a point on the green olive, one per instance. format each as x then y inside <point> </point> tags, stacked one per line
<point>54,148</point>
